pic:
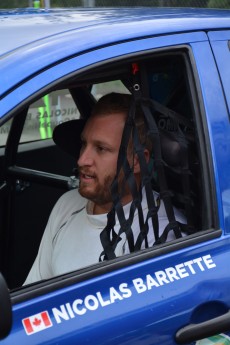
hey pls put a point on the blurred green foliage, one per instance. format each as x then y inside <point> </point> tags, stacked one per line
<point>5,4</point>
<point>13,3</point>
<point>219,3</point>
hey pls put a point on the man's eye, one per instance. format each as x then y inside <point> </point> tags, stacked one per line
<point>101,148</point>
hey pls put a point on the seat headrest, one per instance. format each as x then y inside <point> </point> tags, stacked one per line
<point>173,152</point>
<point>67,136</point>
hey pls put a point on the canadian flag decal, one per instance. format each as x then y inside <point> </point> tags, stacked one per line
<point>37,323</point>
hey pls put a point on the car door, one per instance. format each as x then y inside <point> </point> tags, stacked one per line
<point>158,294</point>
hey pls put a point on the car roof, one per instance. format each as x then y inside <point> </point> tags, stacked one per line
<point>42,37</point>
<point>19,28</point>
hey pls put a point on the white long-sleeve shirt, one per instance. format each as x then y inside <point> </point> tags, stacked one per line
<point>71,239</point>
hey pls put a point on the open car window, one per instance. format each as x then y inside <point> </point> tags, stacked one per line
<point>169,83</point>
<point>46,113</point>
<point>5,129</point>
<point>55,108</point>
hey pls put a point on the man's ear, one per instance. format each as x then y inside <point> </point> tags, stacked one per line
<point>136,165</point>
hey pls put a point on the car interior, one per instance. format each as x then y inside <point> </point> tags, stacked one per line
<point>34,172</point>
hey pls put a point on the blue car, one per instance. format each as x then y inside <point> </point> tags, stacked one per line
<point>55,64</point>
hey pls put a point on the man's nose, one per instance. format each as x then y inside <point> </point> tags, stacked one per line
<point>86,157</point>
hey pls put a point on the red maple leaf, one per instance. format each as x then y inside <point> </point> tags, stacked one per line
<point>36,322</point>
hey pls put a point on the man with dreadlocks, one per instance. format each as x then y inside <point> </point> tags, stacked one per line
<point>109,214</point>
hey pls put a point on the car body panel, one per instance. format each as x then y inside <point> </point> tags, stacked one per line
<point>81,39</point>
<point>220,46</point>
<point>221,49</point>
<point>217,122</point>
<point>81,61</point>
<point>170,309</point>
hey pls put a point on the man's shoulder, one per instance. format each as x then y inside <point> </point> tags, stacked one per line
<point>70,201</point>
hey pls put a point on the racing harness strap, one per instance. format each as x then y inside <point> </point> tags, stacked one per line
<point>109,237</point>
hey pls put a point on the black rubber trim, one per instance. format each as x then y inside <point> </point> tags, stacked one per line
<point>193,332</point>
<point>6,309</point>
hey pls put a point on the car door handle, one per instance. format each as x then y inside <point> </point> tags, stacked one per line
<point>203,330</point>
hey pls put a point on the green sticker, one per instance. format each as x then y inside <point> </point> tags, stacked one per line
<point>44,120</point>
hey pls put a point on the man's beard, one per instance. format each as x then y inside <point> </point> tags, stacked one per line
<point>101,194</point>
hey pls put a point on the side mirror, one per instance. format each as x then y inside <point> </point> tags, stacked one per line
<point>5,309</point>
